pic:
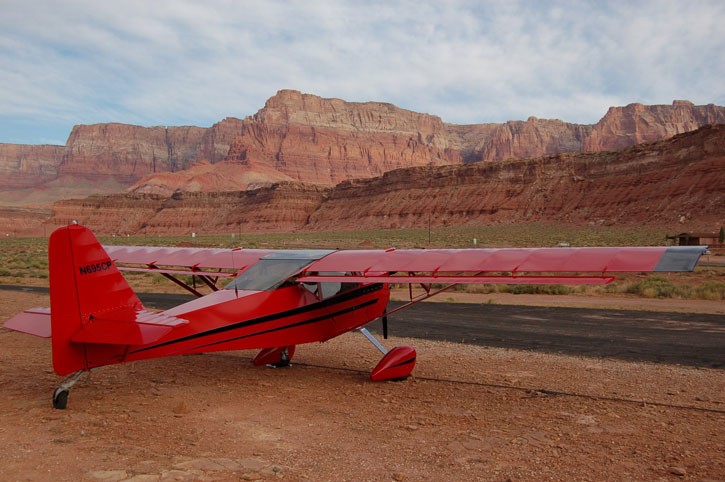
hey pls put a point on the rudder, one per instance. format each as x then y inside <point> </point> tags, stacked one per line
<point>83,283</point>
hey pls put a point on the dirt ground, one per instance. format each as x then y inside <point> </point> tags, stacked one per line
<point>468,413</point>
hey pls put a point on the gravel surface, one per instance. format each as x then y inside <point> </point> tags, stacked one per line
<point>468,413</point>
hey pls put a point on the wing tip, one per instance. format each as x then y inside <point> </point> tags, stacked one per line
<point>680,258</point>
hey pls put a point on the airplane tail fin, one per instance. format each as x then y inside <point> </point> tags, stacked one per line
<point>84,285</point>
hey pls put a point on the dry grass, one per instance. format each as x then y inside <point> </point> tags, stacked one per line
<point>24,260</point>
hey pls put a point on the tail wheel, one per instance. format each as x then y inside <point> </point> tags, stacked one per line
<point>60,398</point>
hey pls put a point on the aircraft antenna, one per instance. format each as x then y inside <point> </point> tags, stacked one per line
<point>236,290</point>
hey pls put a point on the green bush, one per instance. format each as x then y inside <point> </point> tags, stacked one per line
<point>659,287</point>
<point>539,289</point>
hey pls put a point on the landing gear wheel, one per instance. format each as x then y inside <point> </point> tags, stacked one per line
<point>60,398</point>
<point>285,362</point>
<point>277,357</point>
<point>284,359</point>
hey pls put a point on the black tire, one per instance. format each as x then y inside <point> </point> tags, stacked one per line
<point>60,398</point>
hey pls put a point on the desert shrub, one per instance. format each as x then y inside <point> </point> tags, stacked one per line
<point>711,290</point>
<point>481,289</point>
<point>540,289</point>
<point>659,287</point>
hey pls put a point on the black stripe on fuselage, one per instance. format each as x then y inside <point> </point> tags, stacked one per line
<point>294,325</point>
<point>276,316</point>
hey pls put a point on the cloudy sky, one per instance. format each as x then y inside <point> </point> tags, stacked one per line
<point>165,62</point>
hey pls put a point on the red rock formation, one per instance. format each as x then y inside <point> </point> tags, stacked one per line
<point>621,127</point>
<point>207,177</point>
<point>128,152</point>
<point>312,139</point>
<point>215,144</point>
<point>681,179</point>
<point>23,221</point>
<point>328,140</point>
<point>535,137</point>
<point>283,207</point>
<point>636,123</point>
<point>24,166</point>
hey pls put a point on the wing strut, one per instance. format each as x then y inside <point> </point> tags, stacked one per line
<point>372,339</point>
<point>421,297</point>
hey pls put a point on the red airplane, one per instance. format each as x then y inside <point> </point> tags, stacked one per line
<point>278,299</point>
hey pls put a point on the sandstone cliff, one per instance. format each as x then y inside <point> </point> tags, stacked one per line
<point>621,127</point>
<point>311,139</point>
<point>24,166</point>
<point>636,123</point>
<point>128,152</point>
<point>678,182</point>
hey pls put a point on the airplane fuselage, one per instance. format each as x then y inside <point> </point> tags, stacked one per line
<point>287,316</point>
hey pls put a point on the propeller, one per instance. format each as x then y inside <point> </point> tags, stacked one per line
<point>385,327</point>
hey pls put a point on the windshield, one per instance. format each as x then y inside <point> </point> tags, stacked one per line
<point>272,270</point>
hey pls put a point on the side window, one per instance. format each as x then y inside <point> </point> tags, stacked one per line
<point>311,287</point>
<point>333,288</point>
<point>330,289</point>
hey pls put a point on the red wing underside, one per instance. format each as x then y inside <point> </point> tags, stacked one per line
<point>571,266</point>
<point>533,280</point>
<point>184,261</point>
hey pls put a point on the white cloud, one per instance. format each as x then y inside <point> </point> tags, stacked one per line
<point>185,62</point>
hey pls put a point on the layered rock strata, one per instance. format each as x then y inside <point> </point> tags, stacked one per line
<point>23,166</point>
<point>670,181</point>
<point>312,139</point>
<point>677,181</point>
<point>283,207</point>
<point>329,140</point>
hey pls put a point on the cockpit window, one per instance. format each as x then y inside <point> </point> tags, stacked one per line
<point>272,270</point>
<point>329,289</point>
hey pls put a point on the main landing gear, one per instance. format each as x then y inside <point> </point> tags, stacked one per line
<point>60,395</point>
<point>396,364</point>
<point>275,357</point>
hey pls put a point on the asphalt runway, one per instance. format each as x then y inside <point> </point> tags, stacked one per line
<point>662,337</point>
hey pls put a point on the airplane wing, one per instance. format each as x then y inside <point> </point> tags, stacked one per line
<point>506,265</point>
<point>487,265</point>
<point>196,261</point>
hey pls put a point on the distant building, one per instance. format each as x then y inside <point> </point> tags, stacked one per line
<point>697,239</point>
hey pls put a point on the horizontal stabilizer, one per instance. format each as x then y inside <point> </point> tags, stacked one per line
<point>127,327</point>
<point>35,321</point>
